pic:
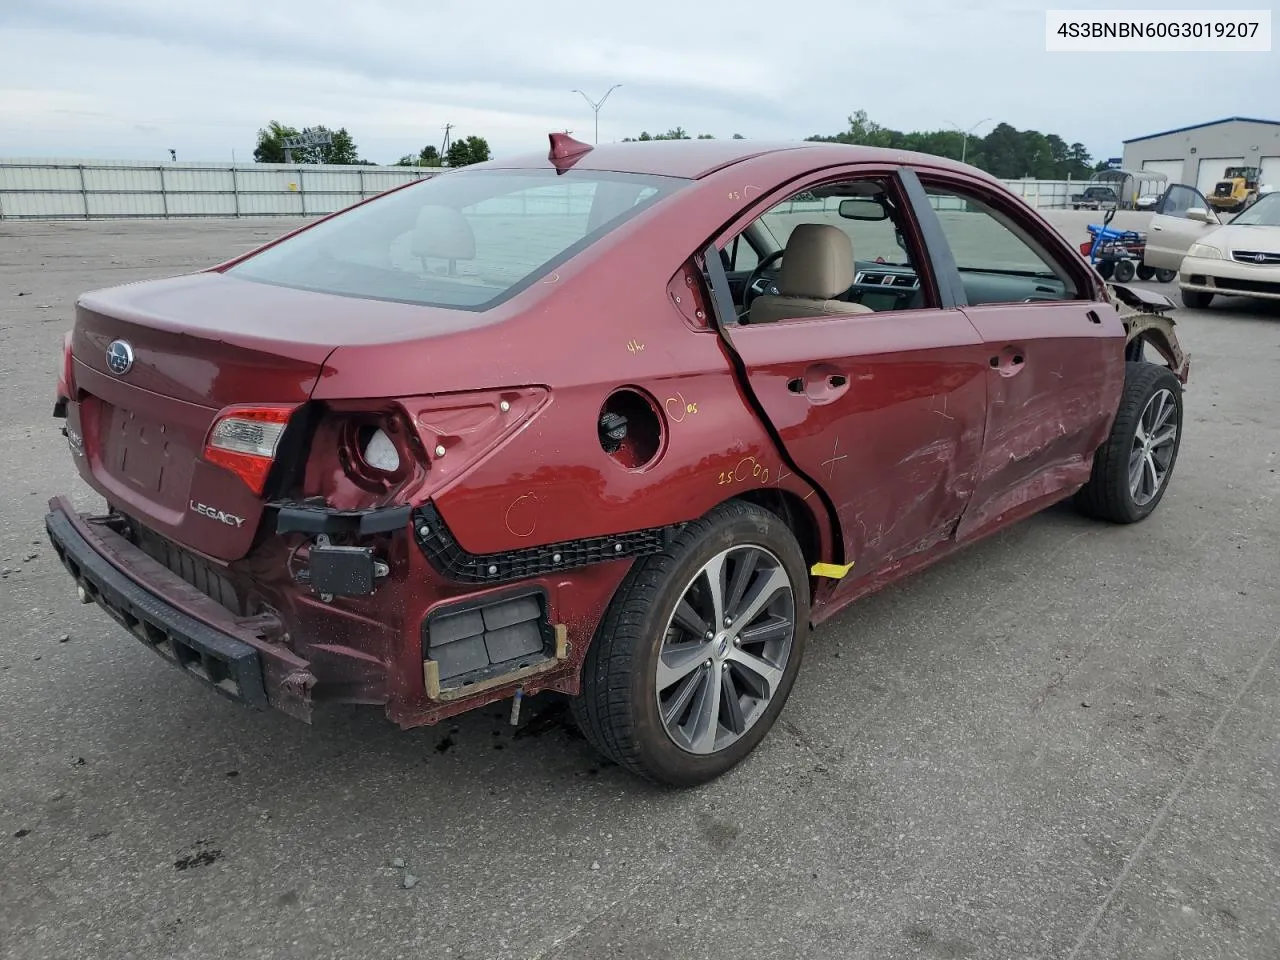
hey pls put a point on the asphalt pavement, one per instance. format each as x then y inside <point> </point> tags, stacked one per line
<point>1060,743</point>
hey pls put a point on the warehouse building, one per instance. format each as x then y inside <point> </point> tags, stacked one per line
<point>1199,154</point>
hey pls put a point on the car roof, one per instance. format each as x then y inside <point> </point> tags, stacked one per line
<point>694,159</point>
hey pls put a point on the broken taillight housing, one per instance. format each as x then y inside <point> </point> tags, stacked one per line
<point>244,441</point>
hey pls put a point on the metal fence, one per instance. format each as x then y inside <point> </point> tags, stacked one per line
<point>98,189</point>
<point>92,190</point>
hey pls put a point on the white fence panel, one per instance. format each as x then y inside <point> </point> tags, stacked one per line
<point>60,189</point>
<point>63,189</point>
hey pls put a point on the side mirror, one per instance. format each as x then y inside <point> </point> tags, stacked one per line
<point>1200,215</point>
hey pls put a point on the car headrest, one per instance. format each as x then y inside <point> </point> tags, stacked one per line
<point>818,262</point>
<point>443,233</point>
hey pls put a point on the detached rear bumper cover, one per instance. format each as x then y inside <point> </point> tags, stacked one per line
<point>177,621</point>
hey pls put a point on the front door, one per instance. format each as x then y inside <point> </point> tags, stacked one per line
<point>1172,230</point>
<point>883,409</point>
<point>1055,357</point>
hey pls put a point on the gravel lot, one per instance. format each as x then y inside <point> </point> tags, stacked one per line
<point>1062,743</point>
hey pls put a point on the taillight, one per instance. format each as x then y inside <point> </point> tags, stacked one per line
<point>244,440</point>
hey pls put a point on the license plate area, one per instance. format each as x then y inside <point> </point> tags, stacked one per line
<point>153,458</point>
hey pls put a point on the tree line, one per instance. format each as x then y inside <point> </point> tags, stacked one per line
<point>342,149</point>
<point>1004,152</point>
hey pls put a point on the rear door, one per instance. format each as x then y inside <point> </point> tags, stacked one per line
<point>1054,355</point>
<point>883,411</point>
<point>1172,231</point>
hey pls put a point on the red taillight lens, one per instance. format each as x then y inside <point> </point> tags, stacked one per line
<point>244,440</point>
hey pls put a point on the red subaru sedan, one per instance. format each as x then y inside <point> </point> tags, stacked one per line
<point>622,422</point>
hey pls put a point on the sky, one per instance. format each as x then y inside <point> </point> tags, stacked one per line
<point>131,79</point>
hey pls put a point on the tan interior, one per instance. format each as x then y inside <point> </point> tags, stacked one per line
<point>816,266</point>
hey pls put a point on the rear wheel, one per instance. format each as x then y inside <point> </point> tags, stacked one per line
<point>1132,469</point>
<point>1166,276</point>
<point>1196,299</point>
<point>1105,268</point>
<point>698,652</point>
<point>1145,272</point>
<point>1124,271</point>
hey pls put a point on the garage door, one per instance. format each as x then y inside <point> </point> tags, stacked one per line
<point>1270,171</point>
<point>1211,170</point>
<point>1172,169</point>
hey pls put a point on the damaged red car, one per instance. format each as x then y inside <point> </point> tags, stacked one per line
<point>622,422</point>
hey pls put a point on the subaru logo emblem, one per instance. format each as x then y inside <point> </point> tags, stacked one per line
<point>119,357</point>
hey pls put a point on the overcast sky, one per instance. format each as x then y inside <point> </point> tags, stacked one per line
<point>131,78</point>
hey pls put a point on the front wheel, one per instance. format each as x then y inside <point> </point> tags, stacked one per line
<point>1166,276</point>
<point>1145,272</point>
<point>699,649</point>
<point>1196,299</point>
<point>1132,469</point>
<point>1124,271</point>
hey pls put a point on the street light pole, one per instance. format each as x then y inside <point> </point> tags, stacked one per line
<point>595,106</point>
<point>965,134</point>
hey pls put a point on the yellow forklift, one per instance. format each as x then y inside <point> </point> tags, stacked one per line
<point>1237,189</point>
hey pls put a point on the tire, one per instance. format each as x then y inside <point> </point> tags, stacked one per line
<point>618,709</point>
<point>1110,493</point>
<point>1105,268</point>
<point>1166,276</point>
<point>1145,272</point>
<point>1124,271</point>
<point>1196,299</point>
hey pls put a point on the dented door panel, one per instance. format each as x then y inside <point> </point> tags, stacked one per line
<point>885,412</point>
<point>1054,376</point>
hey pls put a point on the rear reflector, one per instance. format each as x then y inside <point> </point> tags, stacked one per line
<point>244,441</point>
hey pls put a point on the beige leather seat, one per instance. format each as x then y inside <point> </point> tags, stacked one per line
<point>443,233</point>
<point>817,265</point>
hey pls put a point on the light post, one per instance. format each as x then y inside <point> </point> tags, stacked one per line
<point>595,106</point>
<point>965,134</point>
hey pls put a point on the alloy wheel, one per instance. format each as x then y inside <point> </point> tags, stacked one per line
<point>1153,447</point>
<point>725,649</point>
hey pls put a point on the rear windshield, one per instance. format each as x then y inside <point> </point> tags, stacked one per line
<point>467,239</point>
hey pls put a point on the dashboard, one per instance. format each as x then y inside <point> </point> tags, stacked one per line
<point>890,286</point>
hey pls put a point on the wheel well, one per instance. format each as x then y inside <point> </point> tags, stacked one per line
<point>796,514</point>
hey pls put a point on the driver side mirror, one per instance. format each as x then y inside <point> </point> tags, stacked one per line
<point>1201,215</point>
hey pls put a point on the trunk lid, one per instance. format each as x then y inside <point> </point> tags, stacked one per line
<point>198,344</point>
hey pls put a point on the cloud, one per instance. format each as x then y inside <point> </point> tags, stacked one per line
<point>131,78</point>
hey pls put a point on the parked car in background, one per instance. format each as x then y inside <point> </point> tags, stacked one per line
<point>621,422</point>
<point>1095,198</point>
<point>1240,258</point>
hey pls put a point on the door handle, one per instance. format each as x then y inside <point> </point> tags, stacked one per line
<point>1008,361</point>
<point>820,383</point>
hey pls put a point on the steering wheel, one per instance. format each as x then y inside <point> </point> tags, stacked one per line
<point>748,293</point>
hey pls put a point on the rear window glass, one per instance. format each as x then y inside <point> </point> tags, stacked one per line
<point>468,239</point>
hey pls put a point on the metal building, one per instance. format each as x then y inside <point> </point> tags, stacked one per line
<point>1199,154</point>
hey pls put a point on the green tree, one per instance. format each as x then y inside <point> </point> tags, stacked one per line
<point>467,150</point>
<point>738,136</point>
<point>676,133</point>
<point>1004,152</point>
<point>270,147</point>
<point>428,156</point>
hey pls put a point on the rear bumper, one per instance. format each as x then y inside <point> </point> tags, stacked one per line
<point>175,620</point>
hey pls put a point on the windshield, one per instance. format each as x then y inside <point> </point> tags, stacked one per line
<point>1265,212</point>
<point>467,239</point>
